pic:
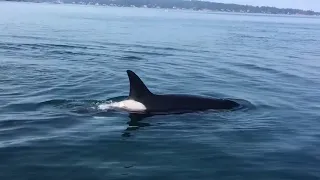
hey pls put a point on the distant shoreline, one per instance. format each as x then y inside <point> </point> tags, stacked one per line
<point>194,5</point>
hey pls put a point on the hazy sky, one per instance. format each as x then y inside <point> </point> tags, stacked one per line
<point>300,4</point>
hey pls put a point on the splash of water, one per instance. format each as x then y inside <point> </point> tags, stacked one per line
<point>108,105</point>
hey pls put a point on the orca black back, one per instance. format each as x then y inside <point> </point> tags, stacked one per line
<point>173,103</point>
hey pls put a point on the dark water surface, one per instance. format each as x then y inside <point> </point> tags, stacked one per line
<point>62,64</point>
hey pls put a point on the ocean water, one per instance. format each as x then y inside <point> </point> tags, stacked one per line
<point>62,65</point>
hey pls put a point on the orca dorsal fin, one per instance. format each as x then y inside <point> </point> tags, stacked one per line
<point>137,88</point>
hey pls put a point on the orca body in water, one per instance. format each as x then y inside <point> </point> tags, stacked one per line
<point>141,100</point>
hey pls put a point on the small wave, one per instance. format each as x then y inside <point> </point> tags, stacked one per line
<point>271,70</point>
<point>108,105</point>
<point>131,58</point>
<point>54,48</point>
<point>73,106</point>
<point>83,106</point>
<point>77,106</point>
<point>150,53</point>
<point>164,50</point>
<point>41,46</point>
<point>244,104</point>
<point>105,106</point>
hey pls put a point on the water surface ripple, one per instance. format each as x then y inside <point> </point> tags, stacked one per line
<point>61,63</point>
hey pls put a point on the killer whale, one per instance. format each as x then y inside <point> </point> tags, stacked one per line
<point>142,100</point>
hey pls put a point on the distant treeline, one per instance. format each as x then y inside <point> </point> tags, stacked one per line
<point>187,4</point>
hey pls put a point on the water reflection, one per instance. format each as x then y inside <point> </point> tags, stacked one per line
<point>135,123</point>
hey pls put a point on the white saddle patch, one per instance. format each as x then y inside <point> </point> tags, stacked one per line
<point>129,105</point>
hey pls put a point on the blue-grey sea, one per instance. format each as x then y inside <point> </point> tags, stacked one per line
<point>61,65</point>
